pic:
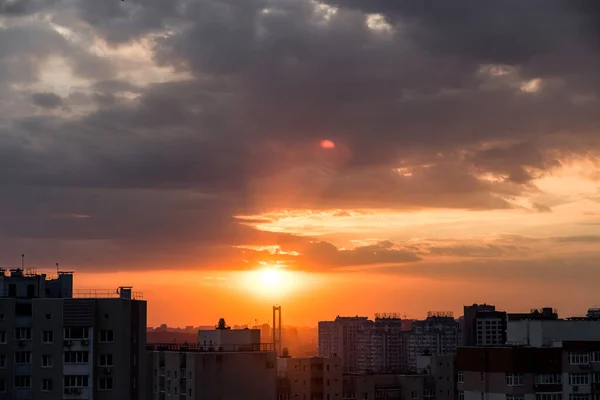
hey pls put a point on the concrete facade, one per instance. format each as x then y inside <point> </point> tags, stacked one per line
<point>538,333</point>
<point>314,378</point>
<point>55,347</point>
<point>193,373</point>
<point>570,371</point>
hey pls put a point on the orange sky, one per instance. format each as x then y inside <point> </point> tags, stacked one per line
<point>333,157</point>
<point>517,259</point>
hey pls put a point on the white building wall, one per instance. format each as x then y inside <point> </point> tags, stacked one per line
<point>540,333</point>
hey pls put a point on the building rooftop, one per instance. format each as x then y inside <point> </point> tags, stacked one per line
<point>224,348</point>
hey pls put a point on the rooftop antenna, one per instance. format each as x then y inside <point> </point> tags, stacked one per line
<point>57,269</point>
<point>22,261</point>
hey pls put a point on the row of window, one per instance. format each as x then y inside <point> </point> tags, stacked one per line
<point>540,396</point>
<point>70,357</point>
<point>168,373</point>
<point>105,336</point>
<point>581,358</point>
<point>578,378</point>
<point>71,381</point>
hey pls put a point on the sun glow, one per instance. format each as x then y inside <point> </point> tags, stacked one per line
<point>272,281</point>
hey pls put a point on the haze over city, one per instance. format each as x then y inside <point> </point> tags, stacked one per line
<point>340,157</point>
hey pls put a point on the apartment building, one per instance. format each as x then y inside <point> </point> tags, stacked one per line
<point>60,343</point>
<point>569,371</point>
<point>218,369</point>
<point>314,378</point>
<point>338,338</point>
<point>388,387</point>
<point>438,335</point>
<point>483,326</point>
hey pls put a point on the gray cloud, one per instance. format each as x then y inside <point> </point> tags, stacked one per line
<point>417,113</point>
<point>47,100</point>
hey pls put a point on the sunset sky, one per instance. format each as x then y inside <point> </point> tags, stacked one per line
<point>337,157</point>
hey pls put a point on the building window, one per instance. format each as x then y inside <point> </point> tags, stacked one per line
<point>22,381</point>
<point>76,381</point>
<point>2,361</point>
<point>23,334</point>
<point>579,358</point>
<point>106,360</point>
<point>3,337</point>
<point>547,379</point>
<point>515,397</point>
<point>175,390</point>
<point>189,392</point>
<point>2,386</point>
<point>461,395</point>
<point>105,384</point>
<point>1,315</point>
<point>595,357</point>
<point>48,337</point>
<point>548,396</point>
<point>514,379</point>
<point>482,377</point>
<point>414,395</point>
<point>48,316</point>
<point>579,396</point>
<point>23,357</point>
<point>47,385</point>
<point>76,357</point>
<point>579,379</point>
<point>105,316</point>
<point>596,377</point>
<point>76,333</point>
<point>107,336</point>
<point>190,376</point>
<point>460,377</point>
<point>46,361</point>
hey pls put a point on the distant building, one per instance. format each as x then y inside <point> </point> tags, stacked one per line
<point>436,335</point>
<point>60,343</point>
<point>339,339</point>
<point>568,371</point>
<point>222,336</point>
<point>483,326</point>
<point>313,378</point>
<point>546,313</point>
<point>217,369</point>
<point>362,344</point>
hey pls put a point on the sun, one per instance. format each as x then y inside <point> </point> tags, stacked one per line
<point>270,277</point>
<point>272,281</point>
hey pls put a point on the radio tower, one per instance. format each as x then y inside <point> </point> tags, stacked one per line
<point>277,329</point>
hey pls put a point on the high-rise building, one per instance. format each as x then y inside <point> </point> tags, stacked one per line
<point>362,344</point>
<point>483,326</point>
<point>435,335</point>
<point>228,364</point>
<point>314,378</point>
<point>339,339</point>
<point>60,343</point>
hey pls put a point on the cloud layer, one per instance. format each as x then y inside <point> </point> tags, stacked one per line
<point>133,133</point>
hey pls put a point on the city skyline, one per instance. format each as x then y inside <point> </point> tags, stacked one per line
<point>333,157</point>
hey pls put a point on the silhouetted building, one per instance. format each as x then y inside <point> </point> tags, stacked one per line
<point>546,313</point>
<point>236,366</point>
<point>60,343</point>
<point>314,378</point>
<point>362,344</point>
<point>483,326</point>
<point>436,335</point>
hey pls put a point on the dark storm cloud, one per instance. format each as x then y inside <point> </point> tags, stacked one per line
<point>47,100</point>
<point>416,117</point>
